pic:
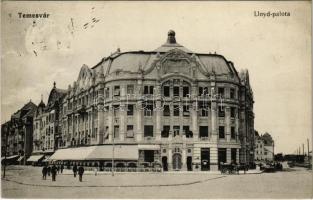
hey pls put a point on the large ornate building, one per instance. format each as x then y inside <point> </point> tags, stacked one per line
<point>170,107</point>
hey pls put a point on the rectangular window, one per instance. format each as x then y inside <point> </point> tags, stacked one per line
<point>232,112</point>
<point>149,155</point>
<point>176,91</point>
<point>116,131</point>
<point>203,91</point>
<point>203,108</point>
<point>221,91</point>
<point>130,131</point>
<point>165,132</point>
<point>151,90</point>
<point>186,112</point>
<point>130,89</point>
<point>187,132</point>
<point>186,91</point>
<point>148,110</point>
<point>232,133</point>
<point>176,130</point>
<point>221,132</point>
<point>221,111</point>
<point>166,111</point>
<point>166,91</point>
<point>130,110</point>
<point>116,90</point>
<point>148,131</point>
<point>203,131</point>
<point>176,110</point>
<point>232,93</point>
<point>148,89</point>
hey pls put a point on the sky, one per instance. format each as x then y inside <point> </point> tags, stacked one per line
<point>275,50</point>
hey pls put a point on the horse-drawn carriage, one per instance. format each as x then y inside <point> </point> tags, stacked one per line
<point>232,168</point>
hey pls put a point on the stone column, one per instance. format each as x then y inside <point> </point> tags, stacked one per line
<point>170,158</point>
<point>158,120</point>
<point>227,123</point>
<point>237,156</point>
<point>194,121</point>
<point>228,155</point>
<point>139,121</point>
<point>184,159</point>
<point>100,126</point>
<point>214,159</point>
<point>214,121</point>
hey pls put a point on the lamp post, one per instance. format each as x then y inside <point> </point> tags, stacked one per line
<point>5,150</point>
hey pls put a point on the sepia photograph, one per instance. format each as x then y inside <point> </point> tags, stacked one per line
<point>156,100</point>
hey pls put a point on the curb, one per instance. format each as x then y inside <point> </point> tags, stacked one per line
<point>112,186</point>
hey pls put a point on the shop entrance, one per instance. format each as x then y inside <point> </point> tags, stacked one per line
<point>205,159</point>
<point>177,164</point>
<point>164,163</point>
<point>189,163</point>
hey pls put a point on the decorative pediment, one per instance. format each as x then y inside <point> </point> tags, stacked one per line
<point>85,78</point>
<point>175,61</point>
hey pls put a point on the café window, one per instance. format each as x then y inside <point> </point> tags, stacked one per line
<point>186,111</point>
<point>186,91</point>
<point>130,89</point>
<point>148,131</point>
<point>176,91</point>
<point>176,130</point>
<point>116,90</point>
<point>204,131</point>
<point>166,91</point>
<point>232,133</point>
<point>130,110</point>
<point>221,111</point>
<point>165,132</point>
<point>166,111</point>
<point>176,110</point>
<point>221,132</point>
<point>130,131</point>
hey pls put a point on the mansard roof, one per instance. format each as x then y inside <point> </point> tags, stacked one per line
<point>55,95</point>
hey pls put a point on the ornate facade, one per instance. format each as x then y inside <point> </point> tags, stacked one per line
<point>171,106</point>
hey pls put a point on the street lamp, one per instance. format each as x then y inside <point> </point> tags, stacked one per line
<point>5,150</point>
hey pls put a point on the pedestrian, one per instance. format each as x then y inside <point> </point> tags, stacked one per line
<point>80,173</point>
<point>58,169</point>
<point>96,169</point>
<point>48,170</point>
<point>44,172</point>
<point>62,167</point>
<point>75,170</point>
<point>53,172</point>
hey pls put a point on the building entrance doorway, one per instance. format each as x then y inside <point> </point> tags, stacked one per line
<point>189,163</point>
<point>221,156</point>
<point>164,163</point>
<point>177,161</point>
<point>205,159</point>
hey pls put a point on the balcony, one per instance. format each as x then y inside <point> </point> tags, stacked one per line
<point>81,109</point>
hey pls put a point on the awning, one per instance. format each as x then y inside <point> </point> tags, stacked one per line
<point>121,152</point>
<point>103,152</point>
<point>34,158</point>
<point>148,147</point>
<point>46,159</point>
<point>12,157</point>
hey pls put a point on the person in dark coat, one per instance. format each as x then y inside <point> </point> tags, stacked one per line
<point>58,169</point>
<point>62,167</point>
<point>75,170</point>
<point>48,170</point>
<point>44,172</point>
<point>80,173</point>
<point>53,172</point>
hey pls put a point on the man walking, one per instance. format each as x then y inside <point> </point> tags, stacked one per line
<point>75,170</point>
<point>48,170</point>
<point>44,172</point>
<point>53,172</point>
<point>62,167</point>
<point>80,173</point>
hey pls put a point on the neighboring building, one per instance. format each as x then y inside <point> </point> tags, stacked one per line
<point>19,133</point>
<point>47,129</point>
<point>264,147</point>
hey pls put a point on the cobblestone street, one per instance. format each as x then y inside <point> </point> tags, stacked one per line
<point>26,182</point>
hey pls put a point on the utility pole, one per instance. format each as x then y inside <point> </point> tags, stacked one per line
<point>5,150</point>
